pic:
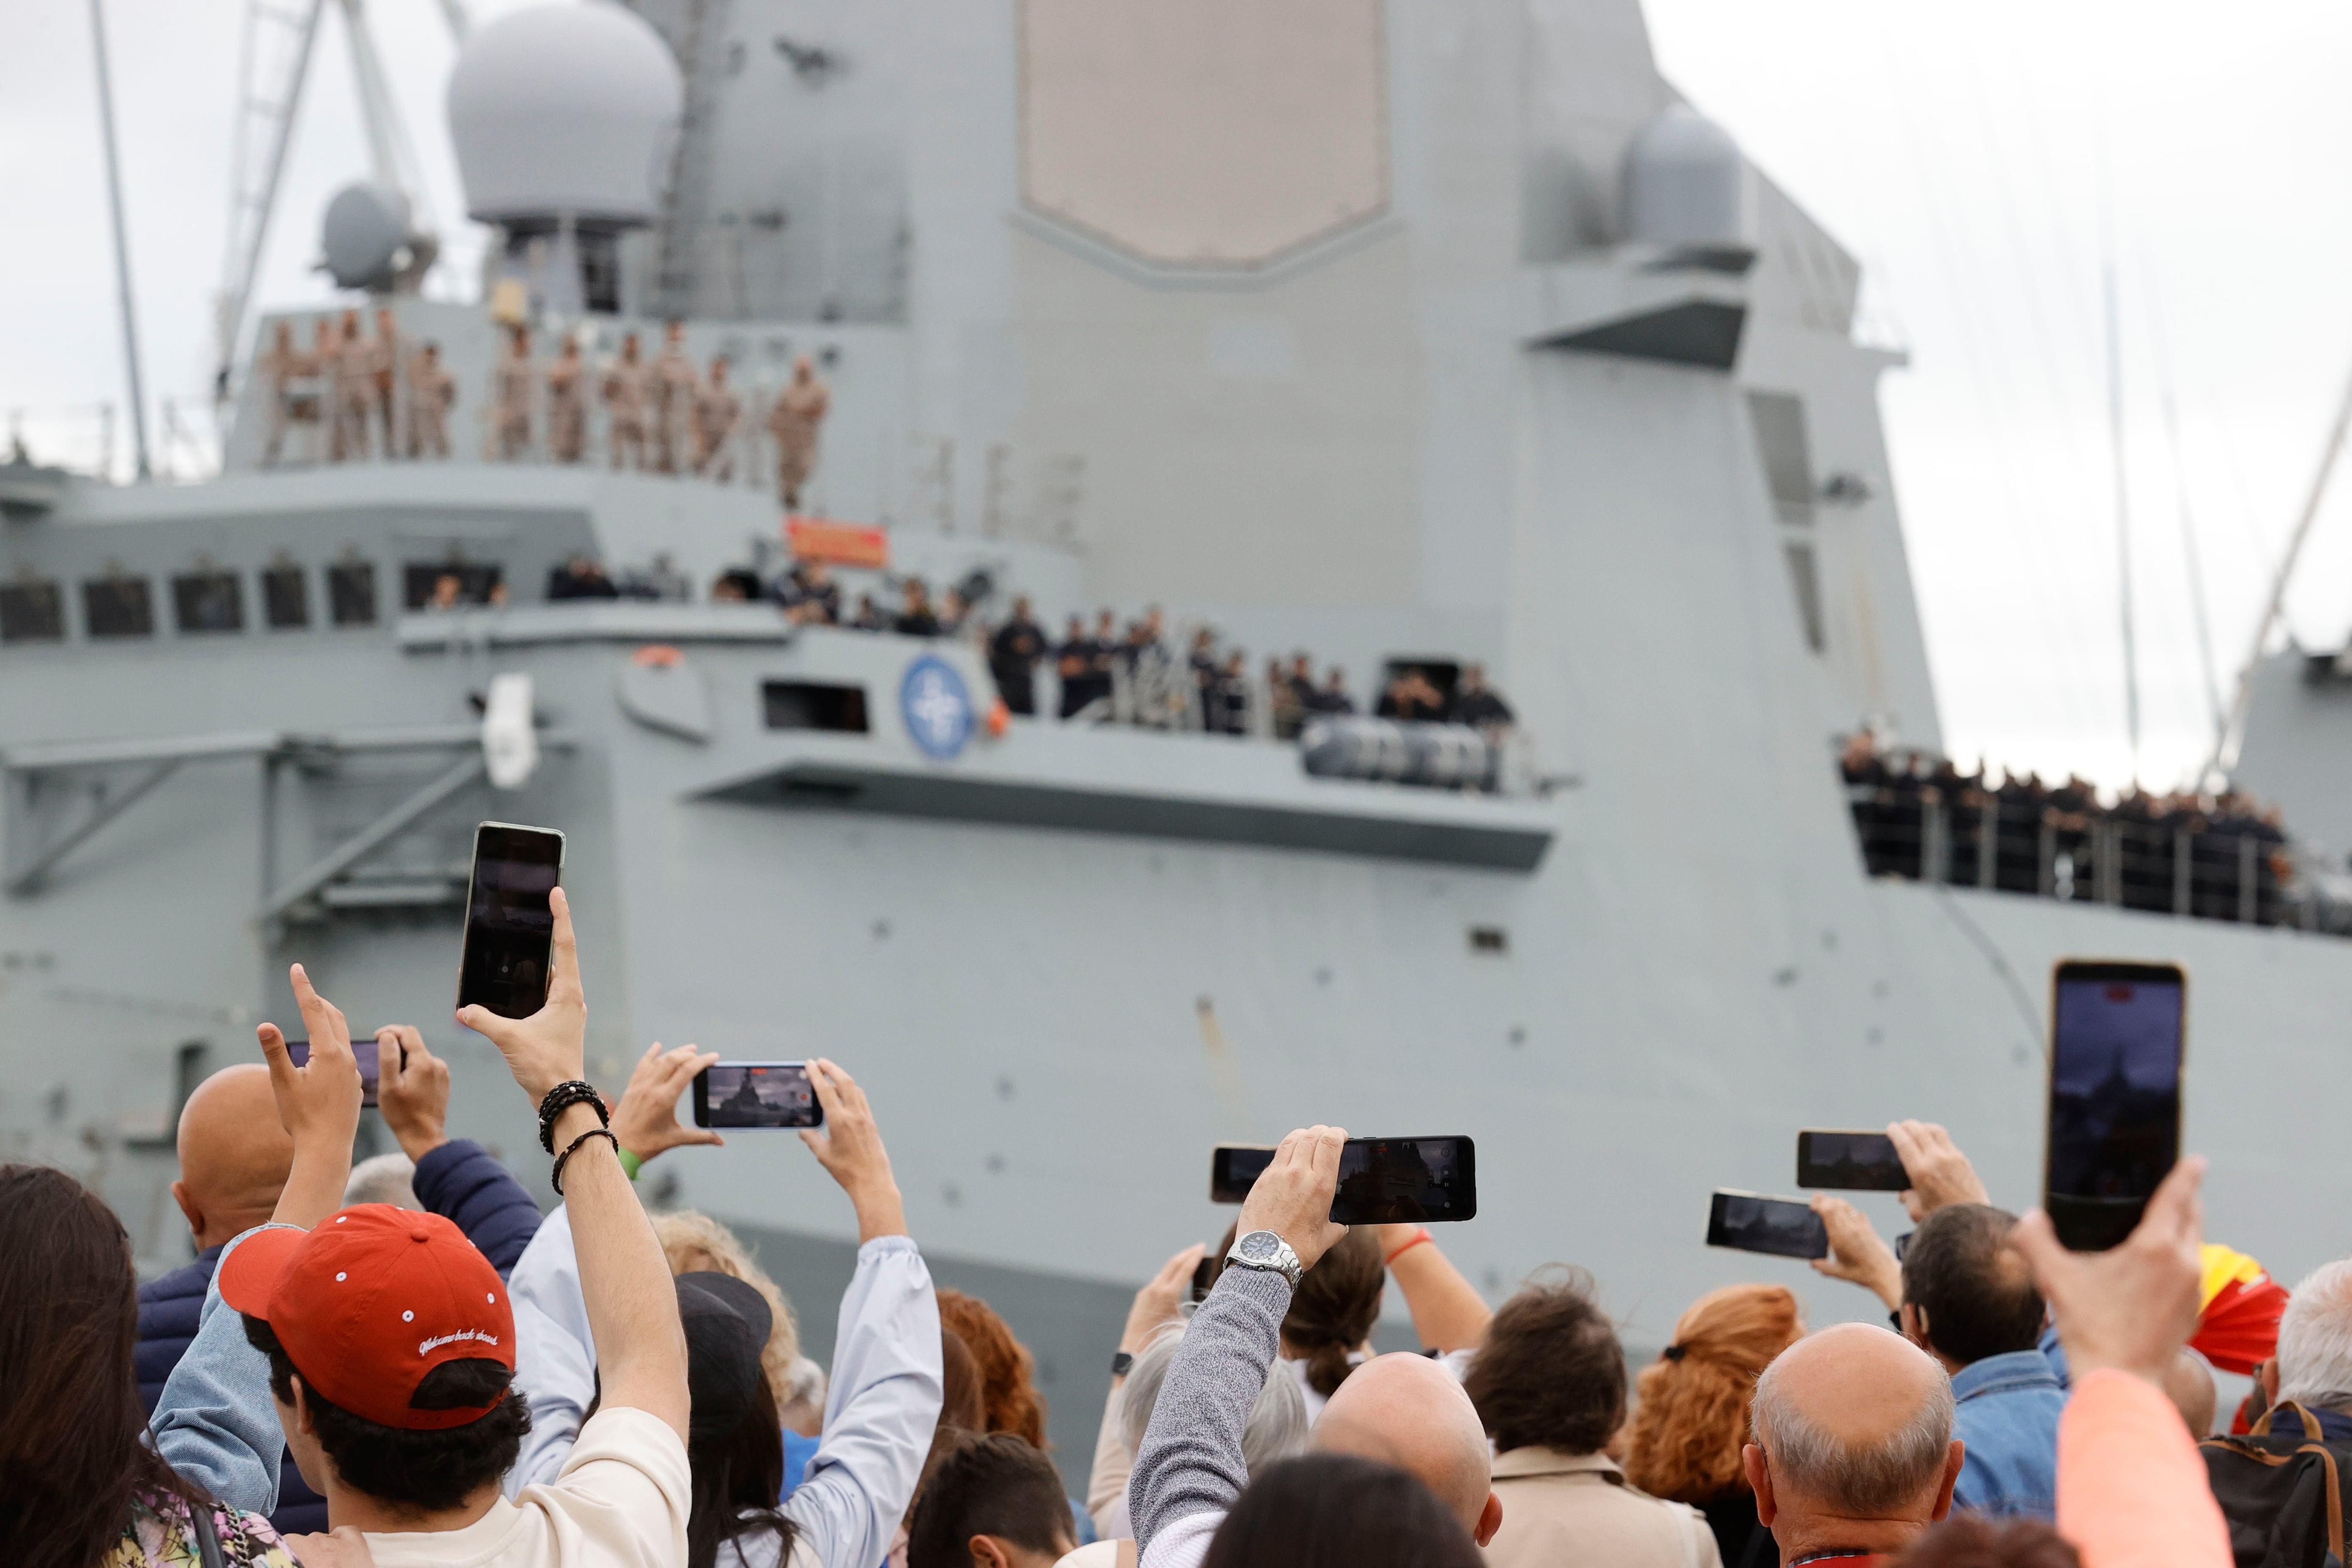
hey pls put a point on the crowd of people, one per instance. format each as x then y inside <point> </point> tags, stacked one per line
<point>405,1362</point>
<point>348,397</point>
<point>1920,816</point>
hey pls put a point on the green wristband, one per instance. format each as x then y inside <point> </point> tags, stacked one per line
<point>630,1165</point>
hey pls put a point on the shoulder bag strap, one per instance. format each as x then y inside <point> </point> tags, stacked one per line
<point>2335,1498</point>
<point>208,1546</point>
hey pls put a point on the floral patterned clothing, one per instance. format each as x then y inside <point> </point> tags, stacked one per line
<point>161,1535</point>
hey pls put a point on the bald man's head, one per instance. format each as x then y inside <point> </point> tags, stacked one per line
<point>234,1154</point>
<point>1406,1410</point>
<point>1856,1423</point>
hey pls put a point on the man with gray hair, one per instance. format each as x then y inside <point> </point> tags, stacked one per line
<point>1852,1454</point>
<point>2314,1363</point>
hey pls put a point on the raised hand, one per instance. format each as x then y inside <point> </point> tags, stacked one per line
<point>850,1148</point>
<point>1856,1252</point>
<point>645,1121</point>
<point>1158,1303</point>
<point>1293,1196</point>
<point>411,1089</point>
<point>1939,1173</point>
<point>550,1046</point>
<point>319,1102</point>
<point>2132,1308</point>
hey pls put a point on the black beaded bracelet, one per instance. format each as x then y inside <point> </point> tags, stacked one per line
<point>563,1098</point>
<point>556,1177</point>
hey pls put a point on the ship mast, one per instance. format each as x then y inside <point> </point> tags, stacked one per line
<point>122,243</point>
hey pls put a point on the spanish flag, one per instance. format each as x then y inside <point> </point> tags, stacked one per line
<point>2237,1328</point>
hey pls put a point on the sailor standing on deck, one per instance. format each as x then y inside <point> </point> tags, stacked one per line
<point>513,385</point>
<point>674,386</point>
<point>283,367</point>
<point>567,404</point>
<point>794,422</point>
<point>353,379</point>
<point>431,393</point>
<point>387,375</point>
<point>717,413</point>
<point>624,394</point>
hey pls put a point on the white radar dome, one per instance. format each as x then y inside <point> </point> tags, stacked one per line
<point>364,235</point>
<point>1686,183</point>
<point>565,109</point>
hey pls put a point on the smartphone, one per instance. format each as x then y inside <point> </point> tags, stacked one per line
<point>1388,1181</point>
<point>1851,1162</point>
<point>2118,1040</point>
<point>509,926</point>
<point>299,1051</point>
<point>1234,1168</point>
<point>756,1094</point>
<point>1750,1222</point>
<point>1204,1275</point>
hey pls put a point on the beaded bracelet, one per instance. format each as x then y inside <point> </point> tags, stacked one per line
<point>555,1178</point>
<point>563,1098</point>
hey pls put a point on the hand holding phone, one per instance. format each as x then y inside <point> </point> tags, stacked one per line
<point>1295,1197</point>
<point>645,1120</point>
<point>754,1094</point>
<point>1381,1180</point>
<point>1752,1222</point>
<point>1850,1161</point>
<point>505,964</point>
<point>1158,1303</point>
<point>2116,1044</point>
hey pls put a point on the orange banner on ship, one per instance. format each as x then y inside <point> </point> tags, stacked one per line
<point>838,543</point>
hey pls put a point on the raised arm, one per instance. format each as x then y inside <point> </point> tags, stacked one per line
<point>1156,1305</point>
<point>1858,1253</point>
<point>1190,1469</point>
<point>2132,1492</point>
<point>1939,1173</point>
<point>455,1178</point>
<point>1448,1313</point>
<point>624,1279</point>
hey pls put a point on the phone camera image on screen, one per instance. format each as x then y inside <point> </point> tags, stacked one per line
<point>1750,1222</point>
<point>1850,1162</point>
<point>509,926</point>
<point>759,1094</point>
<point>1234,1169</point>
<point>363,1051</point>
<point>1390,1180</point>
<point>2115,1096</point>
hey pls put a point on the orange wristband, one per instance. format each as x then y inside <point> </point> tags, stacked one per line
<point>1408,1246</point>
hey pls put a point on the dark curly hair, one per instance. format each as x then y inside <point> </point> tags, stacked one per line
<point>411,1472</point>
<point>1333,1310</point>
<point>1337,1511</point>
<point>1551,1373</point>
<point>1971,1540</point>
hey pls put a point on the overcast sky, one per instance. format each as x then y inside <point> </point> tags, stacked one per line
<point>1965,156</point>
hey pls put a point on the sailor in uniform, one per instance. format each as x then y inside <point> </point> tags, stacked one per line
<point>624,405</point>
<point>353,379</point>
<point>387,375</point>
<point>674,386</point>
<point>794,422</point>
<point>1012,656</point>
<point>431,393</point>
<point>717,413</point>
<point>285,368</point>
<point>512,388</point>
<point>567,405</point>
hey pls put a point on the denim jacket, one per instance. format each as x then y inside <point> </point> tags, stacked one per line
<point>216,1421</point>
<point>2006,1411</point>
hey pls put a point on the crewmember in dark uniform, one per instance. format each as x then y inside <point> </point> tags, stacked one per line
<point>1074,661</point>
<point>1012,656</point>
<point>1477,704</point>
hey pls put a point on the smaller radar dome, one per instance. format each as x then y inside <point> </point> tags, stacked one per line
<point>363,234</point>
<point>1686,183</point>
<point>565,109</point>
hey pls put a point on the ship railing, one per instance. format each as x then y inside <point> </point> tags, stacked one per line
<point>91,439</point>
<point>1974,840</point>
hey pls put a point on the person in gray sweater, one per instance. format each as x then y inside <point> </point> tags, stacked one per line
<point>1404,1410</point>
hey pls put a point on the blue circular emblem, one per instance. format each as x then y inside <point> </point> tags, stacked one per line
<point>937,708</point>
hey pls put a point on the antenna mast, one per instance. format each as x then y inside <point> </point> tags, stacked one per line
<point>2122,514</point>
<point>121,244</point>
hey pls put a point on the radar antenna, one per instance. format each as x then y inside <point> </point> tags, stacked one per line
<point>275,64</point>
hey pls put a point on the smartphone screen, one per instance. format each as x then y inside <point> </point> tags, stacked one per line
<point>756,1094</point>
<point>1851,1162</point>
<point>1204,1275</point>
<point>2116,1043</point>
<point>299,1051</point>
<point>1234,1168</point>
<point>509,926</point>
<point>1750,1222</point>
<point>1389,1181</point>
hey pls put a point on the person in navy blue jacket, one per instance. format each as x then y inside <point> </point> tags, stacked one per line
<point>234,1159</point>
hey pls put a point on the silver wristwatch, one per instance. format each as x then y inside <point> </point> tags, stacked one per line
<point>1265,1249</point>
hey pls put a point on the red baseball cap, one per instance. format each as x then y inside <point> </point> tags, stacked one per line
<point>370,1302</point>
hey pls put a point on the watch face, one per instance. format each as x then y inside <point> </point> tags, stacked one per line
<point>1261,1246</point>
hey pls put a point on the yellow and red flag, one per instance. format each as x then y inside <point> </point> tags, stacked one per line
<point>2237,1327</point>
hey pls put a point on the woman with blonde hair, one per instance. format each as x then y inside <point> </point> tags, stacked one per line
<point>1692,1418</point>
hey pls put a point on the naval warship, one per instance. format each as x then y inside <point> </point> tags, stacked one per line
<point>1413,333</point>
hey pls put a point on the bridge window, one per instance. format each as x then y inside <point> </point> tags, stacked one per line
<point>350,592</point>
<point>32,610</point>
<point>420,580</point>
<point>117,607</point>
<point>286,597</point>
<point>809,705</point>
<point>208,602</point>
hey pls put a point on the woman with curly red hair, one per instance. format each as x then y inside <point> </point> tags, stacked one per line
<point>1692,1417</point>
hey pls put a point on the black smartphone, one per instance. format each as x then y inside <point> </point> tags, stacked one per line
<point>756,1094</point>
<point>1389,1181</point>
<point>2118,1040</point>
<point>1851,1162</point>
<point>1750,1222</point>
<point>1204,1275</point>
<point>363,1051</point>
<point>1234,1168</point>
<point>509,925</point>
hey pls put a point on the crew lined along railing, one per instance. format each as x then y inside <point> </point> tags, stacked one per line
<point>1979,840</point>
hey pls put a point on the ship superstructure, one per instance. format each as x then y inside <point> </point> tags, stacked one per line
<point>1407,333</point>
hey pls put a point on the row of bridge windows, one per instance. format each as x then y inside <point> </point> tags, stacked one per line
<point>32,609</point>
